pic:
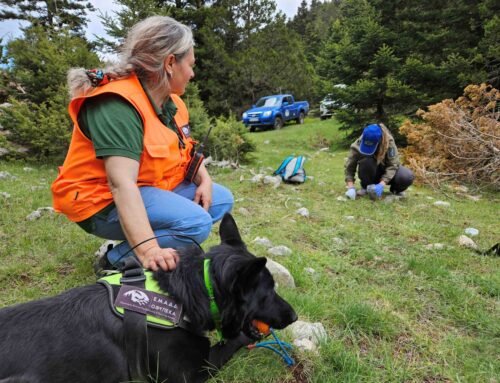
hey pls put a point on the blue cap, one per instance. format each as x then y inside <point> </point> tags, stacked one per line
<point>370,139</point>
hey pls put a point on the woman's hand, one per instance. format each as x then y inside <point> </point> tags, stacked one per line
<point>155,257</point>
<point>203,195</point>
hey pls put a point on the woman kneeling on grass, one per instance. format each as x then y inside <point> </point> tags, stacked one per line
<point>124,175</point>
<point>376,158</point>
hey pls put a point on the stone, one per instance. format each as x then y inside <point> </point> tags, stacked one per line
<point>5,195</point>
<point>39,212</point>
<point>280,273</point>
<point>275,181</point>
<point>465,241</point>
<point>471,231</point>
<point>279,250</point>
<point>266,142</point>
<point>243,211</point>
<point>28,169</point>
<point>338,241</point>
<point>257,178</point>
<point>314,332</point>
<point>4,175</point>
<point>349,217</point>
<point>305,345</point>
<point>262,241</point>
<point>33,215</point>
<point>341,199</point>
<point>441,203</point>
<point>474,198</point>
<point>310,270</point>
<point>303,212</point>
<point>461,188</point>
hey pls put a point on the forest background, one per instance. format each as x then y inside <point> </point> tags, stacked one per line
<point>393,56</point>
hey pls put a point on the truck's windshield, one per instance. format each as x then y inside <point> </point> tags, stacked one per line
<point>271,101</point>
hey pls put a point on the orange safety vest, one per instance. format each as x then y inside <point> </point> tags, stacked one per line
<point>81,188</point>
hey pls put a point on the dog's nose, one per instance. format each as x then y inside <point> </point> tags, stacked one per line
<point>294,317</point>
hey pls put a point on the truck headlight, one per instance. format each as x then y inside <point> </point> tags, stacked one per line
<point>245,115</point>
<point>267,114</point>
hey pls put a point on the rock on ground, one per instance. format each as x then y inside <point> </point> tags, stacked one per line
<point>279,250</point>
<point>471,231</point>
<point>39,212</point>
<point>280,273</point>
<point>243,211</point>
<point>303,212</point>
<point>313,332</point>
<point>305,345</point>
<point>263,241</point>
<point>441,203</point>
<point>465,241</point>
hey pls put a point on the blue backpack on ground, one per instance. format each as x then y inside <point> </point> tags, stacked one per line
<point>292,170</point>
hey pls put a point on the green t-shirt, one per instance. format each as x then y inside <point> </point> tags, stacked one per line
<point>115,128</point>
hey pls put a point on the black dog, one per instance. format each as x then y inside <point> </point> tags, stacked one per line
<point>75,337</point>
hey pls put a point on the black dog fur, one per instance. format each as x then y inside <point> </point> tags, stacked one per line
<point>75,337</point>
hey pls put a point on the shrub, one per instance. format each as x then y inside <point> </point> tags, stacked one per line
<point>228,139</point>
<point>457,140</point>
<point>43,129</point>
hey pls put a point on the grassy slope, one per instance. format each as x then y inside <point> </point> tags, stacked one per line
<point>394,311</point>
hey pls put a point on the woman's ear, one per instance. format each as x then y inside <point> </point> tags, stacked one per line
<point>168,63</point>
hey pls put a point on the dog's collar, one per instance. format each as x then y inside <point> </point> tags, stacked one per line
<point>214,310</point>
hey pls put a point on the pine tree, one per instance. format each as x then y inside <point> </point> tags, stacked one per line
<point>49,14</point>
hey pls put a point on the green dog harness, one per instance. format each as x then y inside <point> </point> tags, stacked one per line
<point>158,299</point>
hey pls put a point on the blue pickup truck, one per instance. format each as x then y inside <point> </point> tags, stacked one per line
<point>275,111</point>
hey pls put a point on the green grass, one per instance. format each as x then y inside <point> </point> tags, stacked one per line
<point>394,310</point>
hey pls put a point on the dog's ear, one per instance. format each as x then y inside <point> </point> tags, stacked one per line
<point>229,231</point>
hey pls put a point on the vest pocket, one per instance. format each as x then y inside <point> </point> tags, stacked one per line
<point>157,151</point>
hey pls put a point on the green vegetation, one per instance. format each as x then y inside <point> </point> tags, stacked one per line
<point>394,310</point>
<point>392,56</point>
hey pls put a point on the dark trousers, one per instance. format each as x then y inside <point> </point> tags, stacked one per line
<point>371,173</point>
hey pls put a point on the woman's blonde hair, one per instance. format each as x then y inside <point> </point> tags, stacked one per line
<point>144,50</point>
<point>383,145</point>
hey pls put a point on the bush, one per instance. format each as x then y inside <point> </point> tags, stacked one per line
<point>228,138</point>
<point>44,130</point>
<point>457,140</point>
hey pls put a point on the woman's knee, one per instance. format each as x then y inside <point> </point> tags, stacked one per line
<point>197,228</point>
<point>222,202</point>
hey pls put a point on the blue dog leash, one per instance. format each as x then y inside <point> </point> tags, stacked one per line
<point>280,349</point>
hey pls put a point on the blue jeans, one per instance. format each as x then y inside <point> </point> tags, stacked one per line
<point>170,213</point>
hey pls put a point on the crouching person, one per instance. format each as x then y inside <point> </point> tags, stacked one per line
<point>375,157</point>
<point>124,177</point>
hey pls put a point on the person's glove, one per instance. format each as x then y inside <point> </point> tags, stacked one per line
<point>375,191</point>
<point>351,193</point>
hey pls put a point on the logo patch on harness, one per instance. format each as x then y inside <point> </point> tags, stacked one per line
<point>146,302</point>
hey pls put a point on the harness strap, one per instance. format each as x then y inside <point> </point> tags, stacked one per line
<point>135,330</point>
<point>214,310</point>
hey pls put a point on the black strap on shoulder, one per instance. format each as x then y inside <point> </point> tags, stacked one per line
<point>135,329</point>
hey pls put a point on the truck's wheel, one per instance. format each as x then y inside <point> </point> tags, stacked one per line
<point>278,123</point>
<point>300,119</point>
<point>252,128</point>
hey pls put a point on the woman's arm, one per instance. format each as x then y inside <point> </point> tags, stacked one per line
<point>122,175</point>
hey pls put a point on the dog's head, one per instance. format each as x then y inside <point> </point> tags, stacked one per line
<point>244,286</point>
